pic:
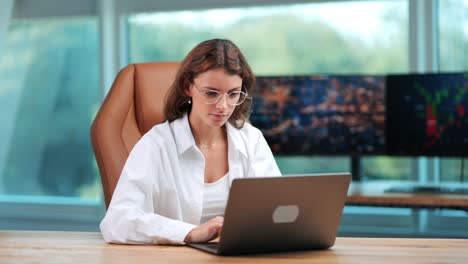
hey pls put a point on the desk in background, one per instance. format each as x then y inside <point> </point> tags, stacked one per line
<point>374,194</point>
<point>81,247</point>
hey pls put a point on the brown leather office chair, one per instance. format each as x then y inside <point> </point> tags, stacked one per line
<point>133,105</point>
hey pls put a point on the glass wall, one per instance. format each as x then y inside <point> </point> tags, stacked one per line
<point>49,94</point>
<point>312,38</point>
<point>50,73</point>
<point>453,35</point>
<point>453,57</point>
<point>388,168</point>
<point>49,77</point>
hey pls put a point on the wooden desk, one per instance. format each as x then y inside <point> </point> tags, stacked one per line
<point>373,194</point>
<point>80,247</point>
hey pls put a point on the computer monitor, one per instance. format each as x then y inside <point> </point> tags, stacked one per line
<point>426,114</point>
<point>321,114</point>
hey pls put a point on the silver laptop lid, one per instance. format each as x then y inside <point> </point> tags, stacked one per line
<point>295,212</point>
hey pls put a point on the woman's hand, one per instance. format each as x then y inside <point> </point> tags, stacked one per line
<point>205,232</point>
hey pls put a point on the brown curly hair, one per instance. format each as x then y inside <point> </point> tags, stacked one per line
<point>210,55</point>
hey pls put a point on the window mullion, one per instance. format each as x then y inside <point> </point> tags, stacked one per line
<point>423,50</point>
<point>5,17</point>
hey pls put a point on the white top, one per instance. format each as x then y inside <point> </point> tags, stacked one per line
<point>159,196</point>
<point>215,196</point>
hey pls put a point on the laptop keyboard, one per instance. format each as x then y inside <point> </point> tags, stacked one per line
<point>212,245</point>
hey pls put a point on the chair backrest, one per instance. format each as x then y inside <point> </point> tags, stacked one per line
<point>134,104</point>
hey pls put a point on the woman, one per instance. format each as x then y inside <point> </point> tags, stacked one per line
<point>174,186</point>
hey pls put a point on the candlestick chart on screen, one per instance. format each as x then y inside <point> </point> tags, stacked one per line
<point>426,114</point>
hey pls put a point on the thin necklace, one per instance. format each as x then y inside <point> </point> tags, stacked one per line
<point>208,146</point>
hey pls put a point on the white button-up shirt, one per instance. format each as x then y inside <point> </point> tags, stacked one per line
<point>159,196</point>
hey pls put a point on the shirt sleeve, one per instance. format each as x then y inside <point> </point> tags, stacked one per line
<point>263,163</point>
<point>130,218</point>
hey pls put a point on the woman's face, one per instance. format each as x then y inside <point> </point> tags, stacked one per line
<point>203,92</point>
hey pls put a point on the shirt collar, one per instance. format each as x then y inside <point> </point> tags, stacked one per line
<point>235,139</point>
<point>184,137</point>
<point>183,134</point>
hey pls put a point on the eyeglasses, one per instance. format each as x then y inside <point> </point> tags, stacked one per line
<point>213,96</point>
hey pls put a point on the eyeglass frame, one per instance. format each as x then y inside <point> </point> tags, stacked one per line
<point>221,95</point>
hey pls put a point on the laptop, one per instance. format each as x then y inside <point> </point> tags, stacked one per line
<point>275,214</point>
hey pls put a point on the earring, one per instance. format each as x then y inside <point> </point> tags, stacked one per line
<point>189,101</point>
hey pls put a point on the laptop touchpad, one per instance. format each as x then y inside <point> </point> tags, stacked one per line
<point>285,214</point>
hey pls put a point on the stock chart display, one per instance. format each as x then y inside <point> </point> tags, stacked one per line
<point>427,114</point>
<point>321,114</point>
